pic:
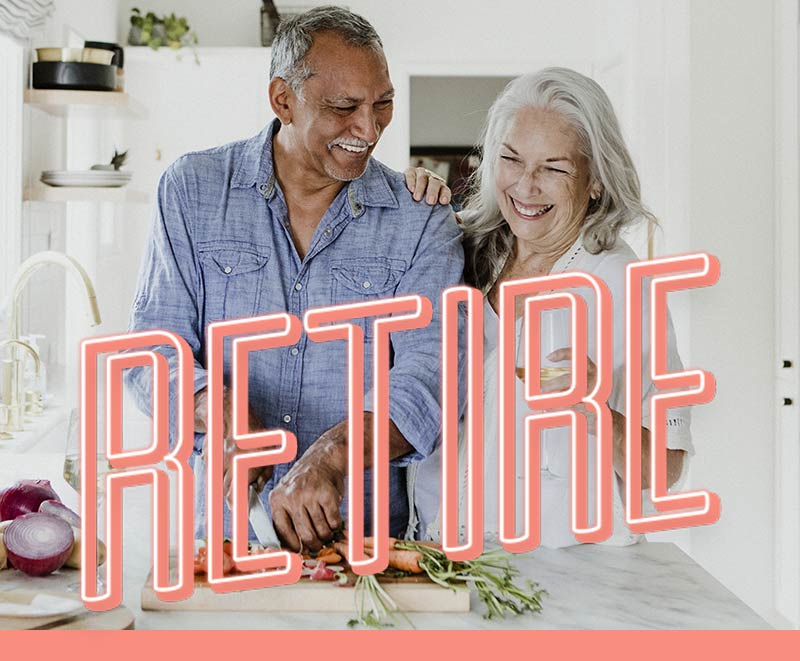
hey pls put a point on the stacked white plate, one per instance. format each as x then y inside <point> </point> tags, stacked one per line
<point>91,178</point>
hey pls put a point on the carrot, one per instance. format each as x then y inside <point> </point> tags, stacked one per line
<point>330,558</point>
<point>405,560</point>
<point>369,542</point>
<point>398,558</point>
<point>201,559</point>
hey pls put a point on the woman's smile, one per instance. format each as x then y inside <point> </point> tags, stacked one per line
<point>531,211</point>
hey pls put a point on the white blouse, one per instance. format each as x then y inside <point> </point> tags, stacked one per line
<point>425,477</point>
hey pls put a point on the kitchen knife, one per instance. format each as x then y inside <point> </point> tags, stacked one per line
<point>261,522</point>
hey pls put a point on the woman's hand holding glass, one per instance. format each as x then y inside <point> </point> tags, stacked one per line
<point>555,371</point>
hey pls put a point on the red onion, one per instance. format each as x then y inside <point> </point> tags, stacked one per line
<point>24,497</point>
<point>38,543</point>
<point>59,509</point>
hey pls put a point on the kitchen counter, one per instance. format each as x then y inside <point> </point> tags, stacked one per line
<point>43,433</point>
<point>645,586</point>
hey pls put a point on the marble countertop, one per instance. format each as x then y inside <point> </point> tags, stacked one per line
<point>645,586</point>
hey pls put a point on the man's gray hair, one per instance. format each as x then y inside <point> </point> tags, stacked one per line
<point>296,34</point>
<point>488,239</point>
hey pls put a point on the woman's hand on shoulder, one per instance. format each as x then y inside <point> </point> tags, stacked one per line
<point>422,183</point>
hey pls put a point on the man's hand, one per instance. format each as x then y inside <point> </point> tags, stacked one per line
<point>258,476</point>
<point>305,503</point>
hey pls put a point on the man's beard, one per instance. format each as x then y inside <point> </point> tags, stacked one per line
<point>345,174</point>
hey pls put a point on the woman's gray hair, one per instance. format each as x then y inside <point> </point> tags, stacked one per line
<point>488,239</point>
<point>296,34</point>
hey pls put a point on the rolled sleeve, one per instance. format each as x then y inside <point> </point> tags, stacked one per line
<point>415,376</point>
<point>168,297</point>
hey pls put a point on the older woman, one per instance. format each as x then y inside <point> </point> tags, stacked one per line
<point>555,187</point>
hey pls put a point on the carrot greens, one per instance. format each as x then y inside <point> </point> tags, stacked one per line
<point>491,576</point>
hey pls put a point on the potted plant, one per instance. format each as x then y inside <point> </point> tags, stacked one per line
<point>156,31</point>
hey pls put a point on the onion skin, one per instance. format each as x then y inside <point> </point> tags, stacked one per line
<point>28,554</point>
<point>3,553</point>
<point>24,497</point>
<point>59,509</point>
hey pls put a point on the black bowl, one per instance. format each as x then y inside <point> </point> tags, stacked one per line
<point>74,76</point>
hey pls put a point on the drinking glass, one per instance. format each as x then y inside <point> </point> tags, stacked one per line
<point>72,463</point>
<point>555,333</point>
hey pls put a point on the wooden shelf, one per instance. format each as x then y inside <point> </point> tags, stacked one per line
<point>42,193</point>
<point>63,103</point>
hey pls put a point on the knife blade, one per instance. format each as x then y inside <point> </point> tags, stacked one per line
<point>261,521</point>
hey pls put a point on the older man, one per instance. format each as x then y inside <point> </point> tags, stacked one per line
<point>301,216</point>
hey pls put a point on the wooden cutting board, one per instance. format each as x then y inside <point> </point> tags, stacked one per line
<point>64,583</point>
<point>412,594</point>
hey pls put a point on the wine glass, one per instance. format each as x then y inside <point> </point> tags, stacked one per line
<point>72,476</point>
<point>555,333</point>
<point>72,462</point>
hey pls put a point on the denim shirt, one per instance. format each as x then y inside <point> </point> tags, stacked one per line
<point>221,248</point>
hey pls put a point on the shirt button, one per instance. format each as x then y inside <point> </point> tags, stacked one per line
<point>227,269</point>
<point>294,351</point>
<point>287,418</point>
<point>366,284</point>
<point>328,231</point>
<point>298,286</point>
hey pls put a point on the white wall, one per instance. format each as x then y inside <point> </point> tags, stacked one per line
<point>229,23</point>
<point>95,21</point>
<point>11,121</point>
<point>450,111</point>
<point>731,188</point>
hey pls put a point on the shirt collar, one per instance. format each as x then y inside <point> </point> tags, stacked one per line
<point>256,168</point>
<point>255,162</point>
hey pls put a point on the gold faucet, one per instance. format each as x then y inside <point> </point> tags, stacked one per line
<point>13,399</point>
<point>10,388</point>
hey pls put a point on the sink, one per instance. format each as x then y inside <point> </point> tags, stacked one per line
<point>44,434</point>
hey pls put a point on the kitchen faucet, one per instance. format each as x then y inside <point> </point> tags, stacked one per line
<point>11,386</point>
<point>12,402</point>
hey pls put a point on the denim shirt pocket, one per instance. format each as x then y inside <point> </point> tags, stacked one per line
<point>360,280</point>
<point>233,275</point>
